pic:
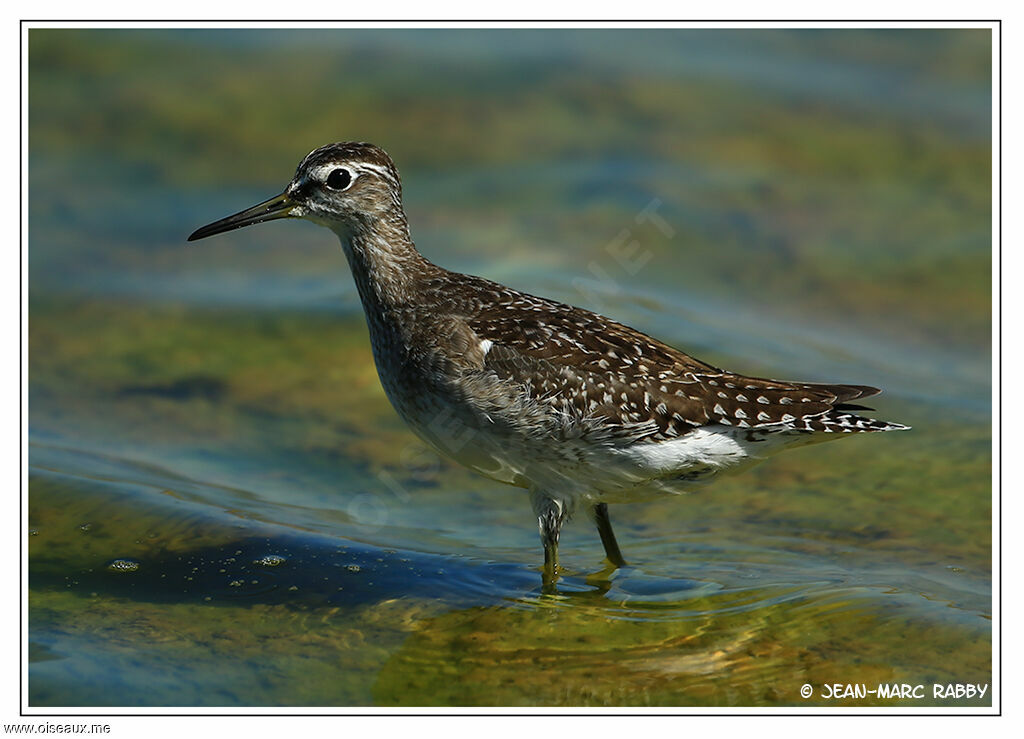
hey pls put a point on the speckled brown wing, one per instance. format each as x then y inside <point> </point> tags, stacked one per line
<point>752,402</point>
<point>588,365</point>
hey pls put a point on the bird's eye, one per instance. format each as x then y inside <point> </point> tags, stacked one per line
<point>339,179</point>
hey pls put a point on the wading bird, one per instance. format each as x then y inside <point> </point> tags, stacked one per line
<point>579,410</point>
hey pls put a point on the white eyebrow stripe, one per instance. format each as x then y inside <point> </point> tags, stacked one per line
<point>382,171</point>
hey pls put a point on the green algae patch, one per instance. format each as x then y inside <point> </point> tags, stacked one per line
<point>171,375</point>
<point>711,651</point>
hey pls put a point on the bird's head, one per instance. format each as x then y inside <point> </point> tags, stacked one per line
<point>342,186</point>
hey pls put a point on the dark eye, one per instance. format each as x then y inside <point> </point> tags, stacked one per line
<point>339,179</point>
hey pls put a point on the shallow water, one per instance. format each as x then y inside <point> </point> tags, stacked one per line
<point>224,511</point>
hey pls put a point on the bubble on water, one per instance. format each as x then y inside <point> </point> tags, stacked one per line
<point>123,565</point>
<point>353,568</point>
<point>270,560</point>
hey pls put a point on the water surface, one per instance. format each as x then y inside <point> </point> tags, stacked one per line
<point>223,508</point>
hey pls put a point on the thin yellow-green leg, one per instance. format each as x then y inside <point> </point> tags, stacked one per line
<point>604,528</point>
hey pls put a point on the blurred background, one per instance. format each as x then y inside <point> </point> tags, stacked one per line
<point>224,509</point>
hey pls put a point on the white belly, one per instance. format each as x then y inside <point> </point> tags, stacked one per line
<point>679,465</point>
<point>572,469</point>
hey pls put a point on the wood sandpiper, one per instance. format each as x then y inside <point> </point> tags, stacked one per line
<point>579,410</point>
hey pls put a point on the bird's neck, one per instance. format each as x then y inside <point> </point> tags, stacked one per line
<point>387,268</point>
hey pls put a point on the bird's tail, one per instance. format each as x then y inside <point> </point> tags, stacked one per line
<point>842,422</point>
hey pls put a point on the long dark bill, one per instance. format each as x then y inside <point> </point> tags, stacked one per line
<point>279,206</point>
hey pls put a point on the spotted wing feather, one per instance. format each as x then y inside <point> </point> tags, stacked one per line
<point>587,365</point>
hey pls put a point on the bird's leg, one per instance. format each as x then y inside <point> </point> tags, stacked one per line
<point>604,528</point>
<point>550,575</point>
<point>550,515</point>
